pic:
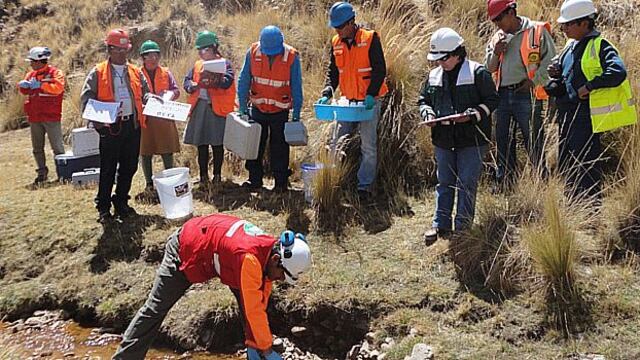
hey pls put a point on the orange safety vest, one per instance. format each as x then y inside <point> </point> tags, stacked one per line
<point>271,81</point>
<point>530,54</point>
<point>222,100</point>
<point>105,87</point>
<point>354,65</point>
<point>160,81</point>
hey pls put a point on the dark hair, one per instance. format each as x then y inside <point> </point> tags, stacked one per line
<point>460,51</point>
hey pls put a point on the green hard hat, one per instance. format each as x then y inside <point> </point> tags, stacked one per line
<point>149,46</point>
<point>205,39</point>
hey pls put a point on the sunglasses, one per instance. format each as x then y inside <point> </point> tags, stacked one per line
<point>445,57</point>
<point>343,25</point>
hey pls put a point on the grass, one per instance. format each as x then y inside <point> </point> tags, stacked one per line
<point>475,296</point>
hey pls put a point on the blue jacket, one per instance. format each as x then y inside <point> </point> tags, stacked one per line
<point>244,83</point>
<point>614,72</point>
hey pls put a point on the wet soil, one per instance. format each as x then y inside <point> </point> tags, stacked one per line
<point>48,336</point>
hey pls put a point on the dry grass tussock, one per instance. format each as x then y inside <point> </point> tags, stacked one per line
<point>622,208</point>
<point>555,254</point>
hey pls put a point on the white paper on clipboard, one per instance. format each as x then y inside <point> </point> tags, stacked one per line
<point>102,112</point>
<point>170,110</point>
<point>215,66</point>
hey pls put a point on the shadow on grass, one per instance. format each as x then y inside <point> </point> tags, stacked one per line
<point>122,241</point>
<point>290,202</point>
<point>226,196</point>
<point>46,185</point>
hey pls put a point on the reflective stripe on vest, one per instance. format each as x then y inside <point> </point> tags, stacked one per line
<point>105,87</point>
<point>222,100</point>
<point>530,55</point>
<point>354,66</point>
<point>466,76</point>
<point>271,80</point>
<point>610,108</point>
<point>160,81</point>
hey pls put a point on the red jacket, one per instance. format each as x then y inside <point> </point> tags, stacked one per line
<point>45,103</point>
<point>237,252</point>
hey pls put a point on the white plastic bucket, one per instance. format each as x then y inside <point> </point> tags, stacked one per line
<point>174,191</point>
<point>308,174</point>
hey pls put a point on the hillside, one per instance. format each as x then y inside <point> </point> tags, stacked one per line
<point>483,294</point>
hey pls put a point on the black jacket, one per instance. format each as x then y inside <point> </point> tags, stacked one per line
<point>447,97</point>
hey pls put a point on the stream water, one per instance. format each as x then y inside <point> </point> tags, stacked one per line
<point>49,337</point>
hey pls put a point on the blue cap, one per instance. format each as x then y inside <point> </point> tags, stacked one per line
<point>340,13</point>
<point>271,40</point>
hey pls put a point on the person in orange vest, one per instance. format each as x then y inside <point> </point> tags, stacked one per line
<point>518,55</point>
<point>44,87</point>
<point>358,67</point>
<point>116,80</point>
<point>160,136</point>
<point>237,252</point>
<point>212,96</point>
<point>271,81</point>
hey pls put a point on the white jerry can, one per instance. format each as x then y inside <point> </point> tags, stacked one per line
<point>295,133</point>
<point>85,141</point>
<point>241,136</point>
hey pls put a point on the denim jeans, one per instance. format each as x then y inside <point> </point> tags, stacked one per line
<point>458,170</point>
<point>538,139</point>
<point>368,148</point>
<point>273,129</point>
<point>515,109</point>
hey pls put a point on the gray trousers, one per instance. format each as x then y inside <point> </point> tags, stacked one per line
<point>53,129</point>
<point>167,160</point>
<point>169,286</point>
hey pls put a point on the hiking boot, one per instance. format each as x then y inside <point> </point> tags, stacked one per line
<point>364,195</point>
<point>104,216</point>
<point>124,210</point>
<point>252,185</point>
<point>280,189</point>
<point>40,179</point>
<point>432,235</point>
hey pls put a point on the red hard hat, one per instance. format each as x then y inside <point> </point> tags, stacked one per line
<point>118,38</point>
<point>496,7</point>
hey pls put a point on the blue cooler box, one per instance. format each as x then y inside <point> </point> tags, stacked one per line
<point>355,113</point>
<point>67,164</point>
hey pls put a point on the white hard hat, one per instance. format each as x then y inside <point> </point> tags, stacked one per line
<point>443,41</point>
<point>295,255</point>
<point>39,53</point>
<point>575,9</point>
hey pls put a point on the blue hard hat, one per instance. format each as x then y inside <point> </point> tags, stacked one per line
<point>340,13</point>
<point>271,40</point>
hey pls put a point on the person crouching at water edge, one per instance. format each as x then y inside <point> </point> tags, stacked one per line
<point>237,252</point>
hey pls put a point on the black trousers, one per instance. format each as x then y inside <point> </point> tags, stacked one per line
<point>273,129</point>
<point>203,160</point>
<point>119,150</point>
<point>580,152</point>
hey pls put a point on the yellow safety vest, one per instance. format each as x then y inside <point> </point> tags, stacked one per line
<point>610,108</point>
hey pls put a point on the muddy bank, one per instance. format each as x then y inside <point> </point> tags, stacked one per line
<point>54,335</point>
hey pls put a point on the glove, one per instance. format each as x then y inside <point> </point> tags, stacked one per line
<point>323,100</point>
<point>24,84</point>
<point>253,354</point>
<point>243,109</point>
<point>426,113</point>
<point>34,84</point>
<point>369,102</point>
